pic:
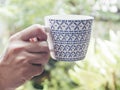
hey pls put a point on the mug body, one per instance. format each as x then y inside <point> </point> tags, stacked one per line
<point>68,36</point>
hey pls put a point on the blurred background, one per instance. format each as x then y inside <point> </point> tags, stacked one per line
<point>100,70</point>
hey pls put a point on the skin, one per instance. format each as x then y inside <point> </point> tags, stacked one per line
<point>24,58</point>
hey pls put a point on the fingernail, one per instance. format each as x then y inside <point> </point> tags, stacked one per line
<point>33,39</point>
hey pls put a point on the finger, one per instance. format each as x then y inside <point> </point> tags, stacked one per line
<point>31,32</point>
<point>33,70</point>
<point>34,58</point>
<point>41,59</point>
<point>38,47</point>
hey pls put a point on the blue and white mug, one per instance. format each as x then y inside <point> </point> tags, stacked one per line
<point>68,36</point>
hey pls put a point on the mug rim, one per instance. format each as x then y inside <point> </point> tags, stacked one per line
<point>69,17</point>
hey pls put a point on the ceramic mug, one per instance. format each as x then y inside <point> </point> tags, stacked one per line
<point>68,36</point>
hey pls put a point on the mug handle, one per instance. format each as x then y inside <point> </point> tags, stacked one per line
<point>49,40</point>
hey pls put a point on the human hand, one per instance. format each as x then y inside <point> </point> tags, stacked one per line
<point>23,59</point>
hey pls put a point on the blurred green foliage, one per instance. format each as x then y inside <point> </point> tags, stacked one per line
<point>100,69</point>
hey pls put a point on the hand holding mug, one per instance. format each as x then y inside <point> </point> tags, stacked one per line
<point>23,59</point>
<point>66,38</point>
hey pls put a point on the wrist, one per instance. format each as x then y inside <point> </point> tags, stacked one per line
<point>2,88</point>
<point>3,85</point>
<point>1,79</point>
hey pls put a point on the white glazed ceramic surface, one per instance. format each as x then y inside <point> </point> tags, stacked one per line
<point>69,36</point>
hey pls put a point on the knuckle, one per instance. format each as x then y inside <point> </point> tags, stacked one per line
<point>40,31</point>
<point>37,27</point>
<point>15,48</point>
<point>12,38</point>
<point>26,58</point>
<point>22,59</point>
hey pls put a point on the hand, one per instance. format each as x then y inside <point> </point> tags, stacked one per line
<point>23,59</point>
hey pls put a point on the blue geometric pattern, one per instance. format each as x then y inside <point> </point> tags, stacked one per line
<point>70,25</point>
<point>70,38</point>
